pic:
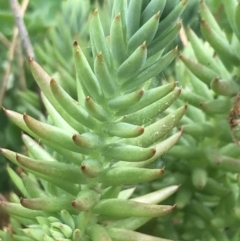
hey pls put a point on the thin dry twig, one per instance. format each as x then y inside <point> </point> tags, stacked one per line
<point>22,28</point>
<point>20,61</point>
<point>11,55</point>
<point>4,40</point>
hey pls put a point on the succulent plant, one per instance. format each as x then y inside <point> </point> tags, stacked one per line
<point>206,159</point>
<point>89,155</point>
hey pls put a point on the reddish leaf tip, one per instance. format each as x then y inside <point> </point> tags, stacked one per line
<point>74,203</point>
<point>74,137</point>
<point>75,43</point>
<point>141,129</point>
<point>22,200</point>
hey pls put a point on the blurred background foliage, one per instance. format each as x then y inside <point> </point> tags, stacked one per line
<point>52,26</point>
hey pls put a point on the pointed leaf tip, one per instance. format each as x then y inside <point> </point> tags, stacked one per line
<point>141,129</point>
<point>118,16</point>
<point>75,43</point>
<point>52,81</point>
<point>95,12</point>
<point>74,204</point>
<point>74,137</point>
<point>83,167</point>
<point>88,98</point>
<point>144,45</point>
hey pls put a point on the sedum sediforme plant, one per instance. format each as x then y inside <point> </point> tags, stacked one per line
<point>208,153</point>
<point>90,153</point>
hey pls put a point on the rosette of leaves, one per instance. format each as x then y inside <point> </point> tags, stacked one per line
<point>208,153</point>
<point>91,152</point>
<point>56,47</point>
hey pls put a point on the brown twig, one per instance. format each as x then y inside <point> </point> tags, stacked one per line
<point>21,72</point>
<point>24,36</point>
<point>22,28</point>
<point>11,55</point>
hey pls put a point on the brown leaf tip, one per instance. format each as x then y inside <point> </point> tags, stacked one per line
<point>173,207</point>
<point>22,200</point>
<point>216,80</point>
<point>141,129</point>
<point>74,137</point>
<point>75,43</point>
<point>162,170</point>
<point>141,92</point>
<point>17,157</point>
<point>74,203</point>
<point>52,81</point>
<point>144,45</point>
<point>83,167</point>
<point>181,56</point>
<point>25,116</point>
<point>201,104</point>
<point>154,150</point>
